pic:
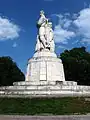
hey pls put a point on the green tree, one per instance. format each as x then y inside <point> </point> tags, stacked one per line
<point>9,72</point>
<point>77,65</point>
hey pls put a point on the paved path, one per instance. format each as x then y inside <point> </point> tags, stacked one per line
<point>73,117</point>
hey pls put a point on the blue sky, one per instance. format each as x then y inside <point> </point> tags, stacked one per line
<point>71,24</point>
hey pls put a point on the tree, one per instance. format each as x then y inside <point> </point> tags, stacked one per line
<point>77,65</point>
<point>9,72</point>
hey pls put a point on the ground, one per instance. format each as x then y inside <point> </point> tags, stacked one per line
<point>45,106</point>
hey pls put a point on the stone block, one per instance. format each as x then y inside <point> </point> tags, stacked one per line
<point>45,66</point>
<point>42,77</point>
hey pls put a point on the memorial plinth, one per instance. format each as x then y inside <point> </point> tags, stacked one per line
<point>46,67</point>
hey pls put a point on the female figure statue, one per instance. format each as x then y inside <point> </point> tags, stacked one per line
<point>45,34</point>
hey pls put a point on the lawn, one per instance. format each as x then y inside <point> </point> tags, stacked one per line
<point>42,106</point>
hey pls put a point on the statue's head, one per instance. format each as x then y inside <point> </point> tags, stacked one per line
<point>41,12</point>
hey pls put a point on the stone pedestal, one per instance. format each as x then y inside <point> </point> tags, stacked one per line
<point>45,78</point>
<point>45,66</point>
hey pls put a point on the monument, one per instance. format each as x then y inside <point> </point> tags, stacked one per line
<point>44,66</point>
<point>45,74</point>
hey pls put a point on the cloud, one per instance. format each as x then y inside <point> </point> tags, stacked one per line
<point>61,35</point>
<point>75,42</point>
<point>61,32</point>
<point>75,26</point>
<point>8,30</point>
<point>67,23</point>
<point>14,45</point>
<point>83,24</point>
<point>62,47</point>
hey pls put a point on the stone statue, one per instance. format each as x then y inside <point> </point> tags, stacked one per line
<point>45,34</point>
<point>50,37</point>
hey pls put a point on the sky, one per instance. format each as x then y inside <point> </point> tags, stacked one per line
<point>18,31</point>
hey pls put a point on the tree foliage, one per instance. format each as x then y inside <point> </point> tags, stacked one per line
<point>77,65</point>
<point>9,72</point>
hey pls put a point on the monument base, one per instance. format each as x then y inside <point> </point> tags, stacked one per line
<point>44,89</point>
<point>45,66</point>
<point>44,78</point>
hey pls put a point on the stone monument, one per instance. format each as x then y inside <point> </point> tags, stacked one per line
<point>44,66</point>
<point>45,74</point>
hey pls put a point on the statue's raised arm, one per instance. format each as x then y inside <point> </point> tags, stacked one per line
<point>42,20</point>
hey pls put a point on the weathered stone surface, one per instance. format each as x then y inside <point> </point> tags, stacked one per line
<point>45,66</point>
<point>22,89</point>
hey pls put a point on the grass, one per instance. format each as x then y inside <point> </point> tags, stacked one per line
<point>39,106</point>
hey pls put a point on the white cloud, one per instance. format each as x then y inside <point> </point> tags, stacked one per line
<point>86,40</point>
<point>77,25</point>
<point>14,45</point>
<point>62,47</point>
<point>67,23</point>
<point>75,16</point>
<point>75,42</point>
<point>83,24</point>
<point>61,32</point>
<point>8,30</point>
<point>61,35</point>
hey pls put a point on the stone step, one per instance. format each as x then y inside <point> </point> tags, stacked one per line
<point>42,93</point>
<point>28,83</point>
<point>45,87</point>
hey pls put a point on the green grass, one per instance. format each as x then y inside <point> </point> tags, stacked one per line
<point>37,106</point>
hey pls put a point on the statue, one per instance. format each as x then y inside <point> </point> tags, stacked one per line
<point>45,34</point>
<point>50,37</point>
